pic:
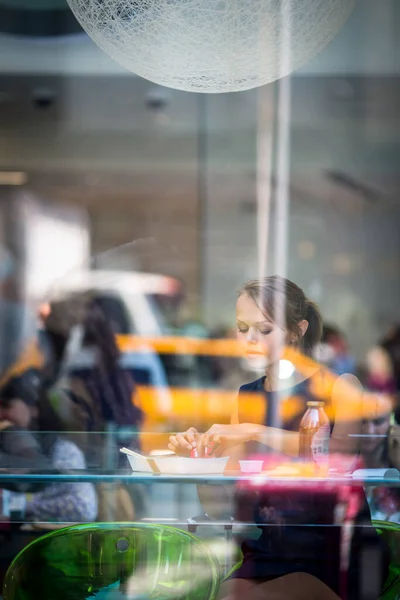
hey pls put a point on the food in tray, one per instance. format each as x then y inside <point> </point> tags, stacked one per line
<point>175,465</point>
<point>179,465</point>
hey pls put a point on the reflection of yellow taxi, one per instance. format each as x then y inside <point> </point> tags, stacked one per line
<point>189,396</point>
<point>175,389</point>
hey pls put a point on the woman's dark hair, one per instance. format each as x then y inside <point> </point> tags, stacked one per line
<point>98,332</point>
<point>84,310</point>
<point>110,386</point>
<point>25,386</point>
<point>391,343</point>
<point>285,303</point>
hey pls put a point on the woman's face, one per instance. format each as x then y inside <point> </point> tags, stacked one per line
<point>19,413</point>
<point>376,423</point>
<point>262,340</point>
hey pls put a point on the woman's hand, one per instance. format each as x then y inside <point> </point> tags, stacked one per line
<point>183,443</point>
<point>215,441</point>
<point>220,438</point>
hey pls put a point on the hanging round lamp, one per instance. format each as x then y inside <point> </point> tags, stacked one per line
<point>211,45</point>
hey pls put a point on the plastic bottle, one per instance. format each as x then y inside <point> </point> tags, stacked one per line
<point>314,435</point>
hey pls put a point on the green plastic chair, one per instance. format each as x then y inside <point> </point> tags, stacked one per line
<point>107,561</point>
<point>390,533</point>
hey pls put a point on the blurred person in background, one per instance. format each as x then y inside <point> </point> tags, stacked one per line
<point>88,393</point>
<point>86,366</point>
<point>380,448</point>
<point>334,352</point>
<point>379,372</point>
<point>391,343</point>
<point>59,502</point>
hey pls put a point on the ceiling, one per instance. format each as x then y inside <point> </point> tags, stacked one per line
<point>35,19</point>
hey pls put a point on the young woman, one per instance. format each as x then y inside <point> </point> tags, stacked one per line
<point>289,561</point>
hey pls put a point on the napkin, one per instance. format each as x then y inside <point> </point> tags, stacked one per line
<point>376,474</point>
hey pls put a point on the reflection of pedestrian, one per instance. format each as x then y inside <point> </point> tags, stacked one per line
<point>98,390</point>
<point>57,502</point>
<point>380,376</point>
<point>92,393</point>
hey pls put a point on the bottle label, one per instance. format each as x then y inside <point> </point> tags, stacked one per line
<point>320,445</point>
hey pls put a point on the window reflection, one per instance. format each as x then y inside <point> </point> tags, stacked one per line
<point>185,276</point>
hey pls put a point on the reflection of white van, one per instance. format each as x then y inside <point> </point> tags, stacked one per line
<point>130,299</point>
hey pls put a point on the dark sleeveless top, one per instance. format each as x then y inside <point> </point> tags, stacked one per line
<point>273,402</point>
<point>296,535</point>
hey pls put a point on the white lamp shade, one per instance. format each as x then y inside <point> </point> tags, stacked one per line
<point>211,45</point>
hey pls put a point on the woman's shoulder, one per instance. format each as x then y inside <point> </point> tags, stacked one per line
<point>253,386</point>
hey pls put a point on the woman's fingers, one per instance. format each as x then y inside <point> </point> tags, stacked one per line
<point>212,443</point>
<point>172,443</point>
<point>202,441</point>
<point>191,436</point>
<point>212,440</point>
<point>207,444</point>
<point>183,442</point>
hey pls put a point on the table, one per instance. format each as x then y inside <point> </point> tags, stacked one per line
<point>152,478</point>
<point>166,489</point>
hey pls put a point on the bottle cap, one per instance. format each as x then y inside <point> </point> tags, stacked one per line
<point>315,403</point>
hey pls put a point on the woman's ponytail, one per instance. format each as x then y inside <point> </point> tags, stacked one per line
<point>314,331</point>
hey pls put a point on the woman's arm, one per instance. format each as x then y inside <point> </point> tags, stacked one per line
<point>230,439</point>
<point>286,442</point>
<point>349,405</point>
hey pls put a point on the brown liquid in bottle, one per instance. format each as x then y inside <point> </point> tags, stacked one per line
<point>314,435</point>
